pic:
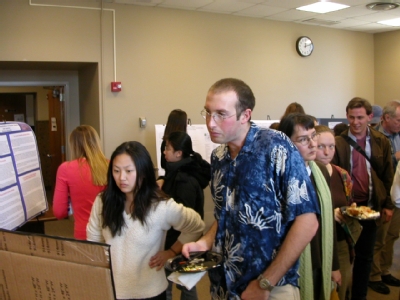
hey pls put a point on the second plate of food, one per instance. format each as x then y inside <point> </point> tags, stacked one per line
<point>198,262</point>
<point>360,212</point>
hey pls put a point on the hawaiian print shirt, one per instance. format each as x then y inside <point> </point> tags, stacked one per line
<point>257,196</point>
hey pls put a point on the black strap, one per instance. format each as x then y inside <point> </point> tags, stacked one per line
<point>356,146</point>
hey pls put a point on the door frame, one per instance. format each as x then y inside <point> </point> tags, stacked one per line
<point>47,83</point>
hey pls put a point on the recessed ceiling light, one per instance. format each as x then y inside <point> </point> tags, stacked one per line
<point>379,6</point>
<point>322,7</point>
<point>391,22</point>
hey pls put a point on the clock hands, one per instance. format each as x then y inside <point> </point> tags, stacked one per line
<point>304,46</point>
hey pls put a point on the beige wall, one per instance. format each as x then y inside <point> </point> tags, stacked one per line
<point>387,67</point>
<point>167,59</point>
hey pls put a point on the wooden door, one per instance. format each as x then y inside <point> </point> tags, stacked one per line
<point>57,132</point>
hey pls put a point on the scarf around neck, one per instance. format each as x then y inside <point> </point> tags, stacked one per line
<point>305,270</point>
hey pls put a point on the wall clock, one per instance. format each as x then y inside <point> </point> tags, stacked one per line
<point>304,46</point>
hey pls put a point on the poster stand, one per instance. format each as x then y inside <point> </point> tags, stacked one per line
<point>22,191</point>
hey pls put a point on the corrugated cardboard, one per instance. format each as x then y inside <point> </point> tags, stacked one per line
<point>34,266</point>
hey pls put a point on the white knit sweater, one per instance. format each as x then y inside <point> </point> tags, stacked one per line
<point>132,250</point>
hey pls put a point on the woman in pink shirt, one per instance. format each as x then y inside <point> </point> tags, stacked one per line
<point>80,180</point>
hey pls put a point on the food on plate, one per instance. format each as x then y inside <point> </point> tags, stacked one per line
<point>198,262</point>
<point>361,212</point>
<point>192,267</point>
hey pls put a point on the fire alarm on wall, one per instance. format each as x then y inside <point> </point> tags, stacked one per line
<point>116,86</point>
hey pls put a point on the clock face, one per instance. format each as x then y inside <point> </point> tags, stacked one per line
<point>304,46</point>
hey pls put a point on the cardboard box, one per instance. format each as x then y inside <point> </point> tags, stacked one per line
<point>35,266</point>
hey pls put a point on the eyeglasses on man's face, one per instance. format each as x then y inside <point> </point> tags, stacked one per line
<point>218,118</point>
<point>305,140</point>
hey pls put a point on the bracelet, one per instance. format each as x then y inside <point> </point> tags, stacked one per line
<point>173,251</point>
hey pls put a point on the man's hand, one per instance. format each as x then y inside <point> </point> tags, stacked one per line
<point>203,244</point>
<point>253,291</point>
<point>192,247</point>
<point>397,155</point>
<point>386,215</point>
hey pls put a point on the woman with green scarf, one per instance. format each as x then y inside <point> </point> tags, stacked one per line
<point>319,264</point>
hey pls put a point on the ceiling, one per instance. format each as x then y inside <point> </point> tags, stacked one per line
<point>356,18</point>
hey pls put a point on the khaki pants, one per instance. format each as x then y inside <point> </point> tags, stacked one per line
<point>287,292</point>
<point>386,236</point>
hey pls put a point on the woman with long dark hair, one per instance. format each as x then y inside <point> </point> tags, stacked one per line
<point>177,121</point>
<point>133,215</point>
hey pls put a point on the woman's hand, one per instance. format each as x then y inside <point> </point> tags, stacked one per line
<point>160,183</point>
<point>158,261</point>
<point>339,216</point>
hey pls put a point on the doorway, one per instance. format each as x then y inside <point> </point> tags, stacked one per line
<point>20,104</point>
<point>81,95</point>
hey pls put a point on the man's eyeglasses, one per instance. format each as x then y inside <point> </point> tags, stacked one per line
<point>218,118</point>
<point>305,140</point>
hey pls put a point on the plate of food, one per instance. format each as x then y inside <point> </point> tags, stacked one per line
<point>360,212</point>
<point>198,262</point>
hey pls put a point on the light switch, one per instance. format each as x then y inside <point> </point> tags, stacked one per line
<point>142,122</point>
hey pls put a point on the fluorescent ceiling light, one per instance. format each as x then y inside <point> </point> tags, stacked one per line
<point>391,22</point>
<point>322,7</point>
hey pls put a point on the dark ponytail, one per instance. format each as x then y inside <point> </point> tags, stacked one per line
<point>181,141</point>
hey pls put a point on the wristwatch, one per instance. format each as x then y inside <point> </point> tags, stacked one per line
<point>264,283</point>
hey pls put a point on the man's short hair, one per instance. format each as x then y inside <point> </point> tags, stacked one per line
<point>339,128</point>
<point>242,90</point>
<point>358,102</point>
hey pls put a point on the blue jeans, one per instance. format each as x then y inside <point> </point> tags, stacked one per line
<point>362,264</point>
<point>185,293</point>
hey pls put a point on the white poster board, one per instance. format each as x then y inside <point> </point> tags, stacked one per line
<point>22,192</point>
<point>201,142</point>
<point>265,123</point>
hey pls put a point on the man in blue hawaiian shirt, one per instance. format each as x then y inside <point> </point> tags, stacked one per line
<point>265,206</point>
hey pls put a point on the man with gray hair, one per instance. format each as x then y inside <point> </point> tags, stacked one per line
<point>388,233</point>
